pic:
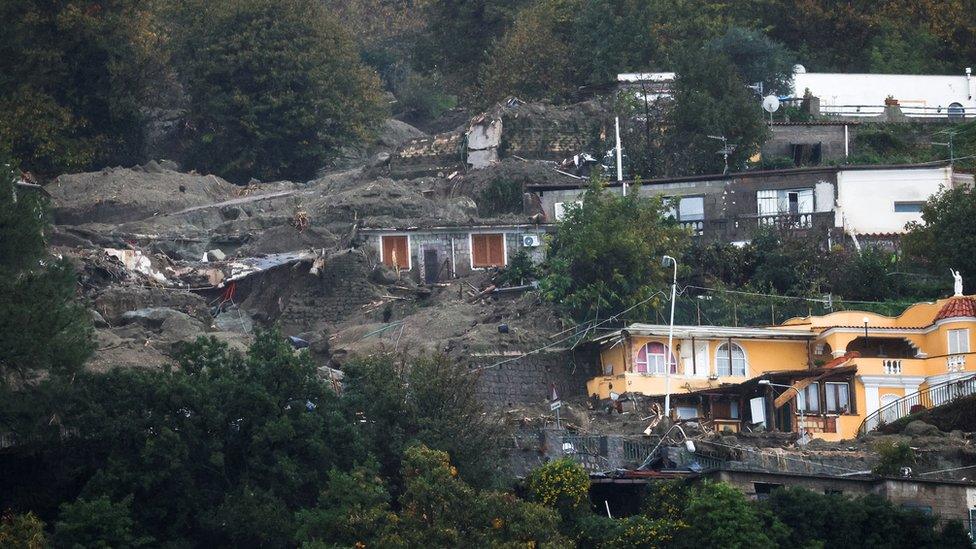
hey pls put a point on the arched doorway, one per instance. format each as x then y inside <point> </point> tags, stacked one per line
<point>890,414</point>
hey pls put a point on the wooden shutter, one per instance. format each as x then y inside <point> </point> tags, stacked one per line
<point>488,250</point>
<point>496,249</point>
<point>396,252</point>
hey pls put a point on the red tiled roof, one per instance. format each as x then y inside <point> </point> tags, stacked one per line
<point>956,307</point>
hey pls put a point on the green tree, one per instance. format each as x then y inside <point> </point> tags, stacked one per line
<point>816,520</point>
<point>99,522</point>
<point>533,60</point>
<point>946,235</point>
<point>43,327</point>
<point>428,400</point>
<point>275,87</point>
<point>710,98</point>
<point>74,78</point>
<point>605,255</point>
<point>459,35</point>
<point>757,59</point>
<point>354,508</point>
<point>718,515</point>
<point>225,446</point>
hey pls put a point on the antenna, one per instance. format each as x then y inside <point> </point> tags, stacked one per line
<point>725,150</point>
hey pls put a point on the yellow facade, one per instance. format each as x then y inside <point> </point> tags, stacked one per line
<point>928,344</point>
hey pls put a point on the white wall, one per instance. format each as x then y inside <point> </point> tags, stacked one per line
<point>866,198</point>
<point>835,89</point>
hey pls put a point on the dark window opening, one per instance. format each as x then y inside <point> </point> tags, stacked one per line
<point>763,489</point>
<point>807,154</point>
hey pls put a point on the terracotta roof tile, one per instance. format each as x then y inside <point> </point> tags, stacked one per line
<point>957,307</point>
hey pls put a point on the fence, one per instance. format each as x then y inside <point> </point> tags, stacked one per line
<point>937,395</point>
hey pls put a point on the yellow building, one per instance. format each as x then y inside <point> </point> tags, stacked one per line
<point>820,375</point>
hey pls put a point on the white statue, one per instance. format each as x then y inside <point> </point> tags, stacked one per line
<point>958,281</point>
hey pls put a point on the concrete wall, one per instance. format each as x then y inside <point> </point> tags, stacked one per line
<point>947,500</point>
<point>866,198</point>
<point>528,380</point>
<point>453,248</point>
<point>833,138</point>
<point>836,89</point>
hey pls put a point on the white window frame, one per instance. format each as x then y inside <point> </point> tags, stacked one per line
<point>409,247</point>
<point>658,365</point>
<point>812,391</point>
<point>471,249</point>
<point>960,337</point>
<point>722,352</point>
<point>559,208</point>
<point>827,392</point>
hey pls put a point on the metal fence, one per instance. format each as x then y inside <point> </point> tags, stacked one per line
<point>937,395</point>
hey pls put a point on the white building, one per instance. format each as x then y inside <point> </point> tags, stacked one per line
<point>879,201</point>
<point>865,94</point>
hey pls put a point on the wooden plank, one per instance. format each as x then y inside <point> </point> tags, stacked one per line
<point>790,393</point>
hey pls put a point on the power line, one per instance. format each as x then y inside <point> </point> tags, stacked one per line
<point>583,328</point>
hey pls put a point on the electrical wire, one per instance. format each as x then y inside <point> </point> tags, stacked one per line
<point>582,328</point>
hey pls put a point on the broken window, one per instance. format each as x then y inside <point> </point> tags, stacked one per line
<point>838,397</point>
<point>651,359</point>
<point>784,202</point>
<point>730,361</point>
<point>807,154</point>
<point>958,341</point>
<point>763,489</point>
<point>396,251</point>
<point>487,250</point>
<point>808,400</point>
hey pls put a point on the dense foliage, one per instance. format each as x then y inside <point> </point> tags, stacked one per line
<point>606,254</point>
<point>275,88</point>
<point>43,326</point>
<point>946,237</point>
<point>74,77</point>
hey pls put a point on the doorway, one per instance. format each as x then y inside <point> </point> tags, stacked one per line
<point>432,270</point>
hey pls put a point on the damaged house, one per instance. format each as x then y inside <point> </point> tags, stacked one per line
<point>869,201</point>
<point>827,377</point>
<point>437,254</point>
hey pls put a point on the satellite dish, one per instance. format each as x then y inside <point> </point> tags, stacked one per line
<point>770,103</point>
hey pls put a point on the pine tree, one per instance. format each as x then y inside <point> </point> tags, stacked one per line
<point>43,327</point>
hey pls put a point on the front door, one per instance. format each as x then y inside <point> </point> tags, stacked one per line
<point>432,269</point>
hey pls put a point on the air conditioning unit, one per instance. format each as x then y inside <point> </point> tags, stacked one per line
<point>531,240</point>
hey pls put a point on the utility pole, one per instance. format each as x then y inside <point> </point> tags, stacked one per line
<point>620,165</point>
<point>952,153</point>
<point>670,352</point>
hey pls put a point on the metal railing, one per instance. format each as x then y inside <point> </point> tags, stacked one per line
<point>937,395</point>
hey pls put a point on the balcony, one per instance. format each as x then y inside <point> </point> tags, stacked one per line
<point>787,221</point>
<point>892,366</point>
<point>696,227</point>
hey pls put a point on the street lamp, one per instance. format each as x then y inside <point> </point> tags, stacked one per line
<point>865,320</point>
<point>670,356</point>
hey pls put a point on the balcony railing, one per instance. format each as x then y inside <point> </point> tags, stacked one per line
<point>696,227</point>
<point>892,367</point>
<point>787,221</point>
<point>937,395</point>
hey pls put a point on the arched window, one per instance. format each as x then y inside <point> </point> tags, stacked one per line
<point>651,359</point>
<point>956,111</point>
<point>730,362</point>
